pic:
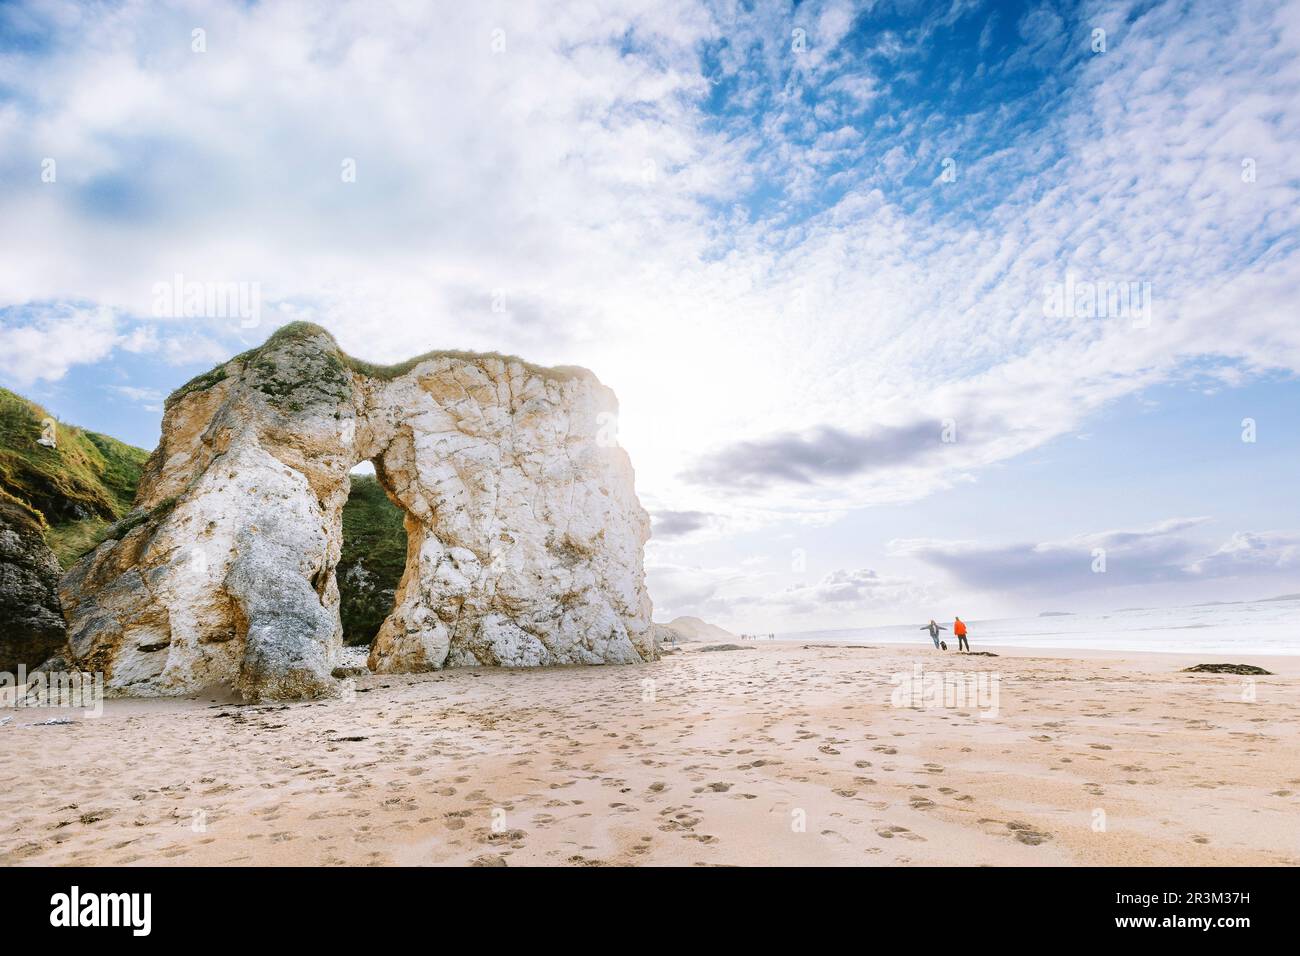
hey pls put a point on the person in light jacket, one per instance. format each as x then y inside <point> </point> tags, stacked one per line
<point>934,630</point>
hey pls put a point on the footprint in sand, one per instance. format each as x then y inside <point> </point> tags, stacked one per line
<point>1025,833</point>
<point>24,852</point>
<point>681,822</point>
<point>514,837</point>
<point>891,831</point>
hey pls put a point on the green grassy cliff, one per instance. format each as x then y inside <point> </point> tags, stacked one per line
<point>74,490</point>
<point>70,494</point>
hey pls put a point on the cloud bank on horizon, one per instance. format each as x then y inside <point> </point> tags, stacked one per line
<point>831,256</point>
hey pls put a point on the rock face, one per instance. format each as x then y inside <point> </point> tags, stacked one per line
<point>524,533</point>
<point>31,621</point>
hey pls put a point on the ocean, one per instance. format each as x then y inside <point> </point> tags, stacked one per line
<point>1247,627</point>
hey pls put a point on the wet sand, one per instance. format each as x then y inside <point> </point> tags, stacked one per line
<point>780,753</point>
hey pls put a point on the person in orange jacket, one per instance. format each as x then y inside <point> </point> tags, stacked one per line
<point>959,628</point>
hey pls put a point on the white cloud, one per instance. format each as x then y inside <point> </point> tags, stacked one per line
<point>45,347</point>
<point>751,599</point>
<point>1250,553</point>
<point>847,592</point>
<point>692,589</point>
<point>150,399</point>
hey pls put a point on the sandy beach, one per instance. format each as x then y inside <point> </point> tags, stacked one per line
<point>780,753</point>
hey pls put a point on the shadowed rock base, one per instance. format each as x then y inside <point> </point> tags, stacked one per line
<point>31,622</point>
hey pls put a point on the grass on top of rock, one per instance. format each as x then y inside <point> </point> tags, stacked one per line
<point>303,331</point>
<point>386,373</point>
<point>373,558</point>
<point>200,383</point>
<point>74,490</point>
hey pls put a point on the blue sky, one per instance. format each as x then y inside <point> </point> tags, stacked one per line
<point>1006,68</point>
<point>802,242</point>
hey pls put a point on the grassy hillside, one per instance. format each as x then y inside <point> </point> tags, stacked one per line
<point>73,490</point>
<point>374,554</point>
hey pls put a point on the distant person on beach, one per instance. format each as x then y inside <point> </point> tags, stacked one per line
<point>934,630</point>
<point>959,628</point>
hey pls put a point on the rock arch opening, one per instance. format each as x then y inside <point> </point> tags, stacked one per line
<point>372,558</point>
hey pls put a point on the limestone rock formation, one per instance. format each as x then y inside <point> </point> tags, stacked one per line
<point>524,533</point>
<point>31,621</point>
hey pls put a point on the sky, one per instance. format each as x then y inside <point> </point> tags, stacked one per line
<point>912,309</point>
